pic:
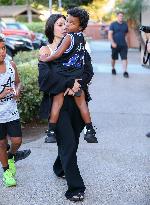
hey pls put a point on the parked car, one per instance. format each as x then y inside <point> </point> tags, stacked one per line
<point>22,27</point>
<point>38,40</point>
<point>10,31</point>
<point>15,44</point>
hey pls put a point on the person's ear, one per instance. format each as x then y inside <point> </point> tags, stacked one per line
<point>80,28</point>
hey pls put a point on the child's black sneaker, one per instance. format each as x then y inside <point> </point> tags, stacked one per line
<point>51,137</point>
<point>89,136</point>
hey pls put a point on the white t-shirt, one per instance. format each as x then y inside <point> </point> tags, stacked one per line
<point>8,105</point>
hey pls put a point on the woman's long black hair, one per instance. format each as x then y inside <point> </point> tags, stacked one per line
<point>49,26</point>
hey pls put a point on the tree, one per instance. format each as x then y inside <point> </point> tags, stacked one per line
<point>72,3</point>
<point>131,9</point>
<point>65,3</point>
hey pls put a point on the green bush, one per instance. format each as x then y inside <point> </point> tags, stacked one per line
<point>24,57</point>
<point>36,26</point>
<point>31,97</point>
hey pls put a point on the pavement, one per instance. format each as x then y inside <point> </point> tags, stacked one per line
<point>116,171</point>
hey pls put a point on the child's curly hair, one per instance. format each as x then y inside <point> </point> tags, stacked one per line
<point>82,14</point>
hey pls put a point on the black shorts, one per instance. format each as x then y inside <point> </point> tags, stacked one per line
<point>122,50</point>
<point>12,129</point>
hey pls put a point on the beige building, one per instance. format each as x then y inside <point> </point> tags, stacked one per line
<point>13,11</point>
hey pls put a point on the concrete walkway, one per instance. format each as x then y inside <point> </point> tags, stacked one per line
<point>116,171</point>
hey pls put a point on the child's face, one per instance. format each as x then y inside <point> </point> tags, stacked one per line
<point>73,24</point>
<point>2,51</point>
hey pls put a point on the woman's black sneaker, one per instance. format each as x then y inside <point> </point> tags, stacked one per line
<point>77,197</point>
<point>89,136</point>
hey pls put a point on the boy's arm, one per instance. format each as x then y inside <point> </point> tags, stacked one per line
<point>61,49</point>
<point>17,80</point>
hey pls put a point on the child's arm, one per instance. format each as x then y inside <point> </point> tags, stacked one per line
<point>61,49</point>
<point>17,81</point>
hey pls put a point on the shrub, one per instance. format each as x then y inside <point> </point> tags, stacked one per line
<point>36,26</point>
<point>31,97</point>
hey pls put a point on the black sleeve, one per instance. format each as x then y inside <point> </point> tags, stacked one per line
<point>88,70</point>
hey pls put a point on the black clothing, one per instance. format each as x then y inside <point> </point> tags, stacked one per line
<point>67,67</point>
<point>67,141</point>
<point>119,32</point>
<point>122,50</point>
<point>12,128</point>
<point>68,129</point>
<point>72,60</point>
<point>86,78</point>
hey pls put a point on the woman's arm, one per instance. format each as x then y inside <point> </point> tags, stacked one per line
<point>44,50</point>
<point>61,49</point>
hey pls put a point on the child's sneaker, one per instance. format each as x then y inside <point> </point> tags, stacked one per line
<point>8,179</point>
<point>89,136</point>
<point>12,166</point>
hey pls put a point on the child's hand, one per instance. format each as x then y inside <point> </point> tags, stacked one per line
<point>16,93</point>
<point>6,91</point>
<point>43,58</point>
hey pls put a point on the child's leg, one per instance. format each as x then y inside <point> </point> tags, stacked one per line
<point>3,154</point>
<point>82,105</point>
<point>8,178</point>
<point>56,106</point>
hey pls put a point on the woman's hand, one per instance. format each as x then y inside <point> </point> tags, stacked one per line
<point>43,58</point>
<point>76,86</point>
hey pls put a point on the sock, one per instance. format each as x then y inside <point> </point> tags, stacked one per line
<point>89,126</point>
<point>5,168</point>
<point>10,155</point>
<point>51,126</point>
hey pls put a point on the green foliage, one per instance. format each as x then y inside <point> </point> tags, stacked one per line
<point>31,97</point>
<point>36,26</point>
<point>65,3</point>
<point>131,9</point>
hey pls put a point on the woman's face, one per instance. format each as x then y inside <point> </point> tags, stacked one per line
<point>59,28</point>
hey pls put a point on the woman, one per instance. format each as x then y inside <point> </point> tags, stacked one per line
<point>69,119</point>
